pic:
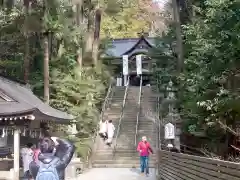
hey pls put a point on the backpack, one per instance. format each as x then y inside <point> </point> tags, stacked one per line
<point>47,172</point>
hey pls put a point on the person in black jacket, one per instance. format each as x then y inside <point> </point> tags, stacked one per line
<point>52,149</point>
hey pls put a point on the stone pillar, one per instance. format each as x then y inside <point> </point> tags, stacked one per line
<point>16,153</point>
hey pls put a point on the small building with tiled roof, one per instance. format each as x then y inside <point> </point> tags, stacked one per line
<point>23,116</point>
<point>17,100</point>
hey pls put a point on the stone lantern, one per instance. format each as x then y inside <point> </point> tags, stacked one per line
<point>172,117</point>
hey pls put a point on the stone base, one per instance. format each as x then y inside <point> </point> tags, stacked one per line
<point>74,168</point>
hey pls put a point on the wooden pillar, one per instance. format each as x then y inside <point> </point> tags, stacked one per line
<point>16,153</point>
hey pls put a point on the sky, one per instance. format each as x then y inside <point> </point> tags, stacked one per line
<point>160,2</point>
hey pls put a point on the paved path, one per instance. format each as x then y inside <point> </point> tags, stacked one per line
<point>116,174</point>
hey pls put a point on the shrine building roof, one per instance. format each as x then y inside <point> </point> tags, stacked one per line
<point>17,99</point>
<point>119,47</point>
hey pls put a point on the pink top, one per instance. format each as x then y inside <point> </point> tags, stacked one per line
<point>144,148</point>
<point>35,155</point>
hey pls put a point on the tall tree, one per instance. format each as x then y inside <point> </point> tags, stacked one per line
<point>26,65</point>
<point>79,21</point>
<point>96,40</point>
<point>179,42</point>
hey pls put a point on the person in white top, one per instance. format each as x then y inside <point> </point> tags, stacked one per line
<point>27,158</point>
<point>110,132</point>
<point>103,129</point>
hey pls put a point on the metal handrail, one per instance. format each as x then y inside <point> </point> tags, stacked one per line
<point>104,106</point>
<point>139,110</point>
<point>158,144</point>
<point>121,115</point>
<point>158,135</point>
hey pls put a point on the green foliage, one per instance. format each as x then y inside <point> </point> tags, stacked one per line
<point>209,97</point>
<point>80,93</point>
<point>212,46</point>
<point>165,60</point>
<point>127,22</point>
<point>73,90</point>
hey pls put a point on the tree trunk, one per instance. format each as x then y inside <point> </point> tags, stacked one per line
<point>88,43</point>
<point>26,61</point>
<point>46,69</point>
<point>79,19</point>
<point>178,35</point>
<point>26,64</point>
<point>95,49</point>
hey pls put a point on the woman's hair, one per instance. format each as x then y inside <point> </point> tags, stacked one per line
<point>110,121</point>
<point>46,145</point>
<point>29,145</point>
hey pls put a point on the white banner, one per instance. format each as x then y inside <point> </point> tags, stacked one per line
<point>125,64</point>
<point>169,131</point>
<point>139,64</point>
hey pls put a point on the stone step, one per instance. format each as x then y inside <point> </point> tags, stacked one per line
<point>148,131</point>
<point>118,156</point>
<point>130,114</point>
<point>115,105</point>
<point>121,160</point>
<point>119,150</point>
<point>119,166</point>
<point>110,154</point>
<point>124,152</point>
<point>141,128</point>
<point>95,165</point>
<point>127,132</point>
<point>128,123</point>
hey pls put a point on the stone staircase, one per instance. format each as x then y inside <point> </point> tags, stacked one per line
<point>147,126</point>
<point>124,155</point>
<point>102,152</point>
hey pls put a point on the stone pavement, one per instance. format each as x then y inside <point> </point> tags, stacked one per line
<point>116,174</point>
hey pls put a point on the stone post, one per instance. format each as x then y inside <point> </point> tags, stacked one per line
<point>16,153</point>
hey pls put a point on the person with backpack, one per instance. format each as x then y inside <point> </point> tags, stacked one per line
<point>55,155</point>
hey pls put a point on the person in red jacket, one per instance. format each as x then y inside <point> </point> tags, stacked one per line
<point>144,148</point>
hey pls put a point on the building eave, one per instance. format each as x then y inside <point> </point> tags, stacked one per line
<point>26,102</point>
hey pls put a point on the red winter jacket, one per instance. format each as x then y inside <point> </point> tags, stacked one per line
<point>144,148</point>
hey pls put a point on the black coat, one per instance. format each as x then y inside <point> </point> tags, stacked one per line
<point>62,157</point>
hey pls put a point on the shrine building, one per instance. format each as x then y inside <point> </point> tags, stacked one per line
<point>131,47</point>
<point>23,119</point>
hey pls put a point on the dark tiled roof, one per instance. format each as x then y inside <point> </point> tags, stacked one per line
<point>26,101</point>
<point>121,46</point>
